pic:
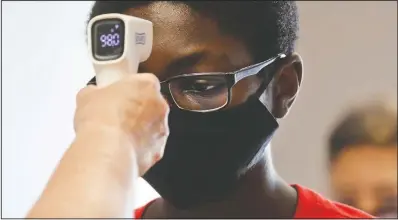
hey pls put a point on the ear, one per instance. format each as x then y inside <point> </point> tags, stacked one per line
<point>286,84</point>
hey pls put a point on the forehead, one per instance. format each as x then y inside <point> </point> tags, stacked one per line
<point>173,20</point>
<point>180,31</point>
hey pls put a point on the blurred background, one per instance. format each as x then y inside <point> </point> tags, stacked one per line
<point>349,51</point>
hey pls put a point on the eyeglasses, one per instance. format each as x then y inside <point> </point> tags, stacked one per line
<point>207,92</point>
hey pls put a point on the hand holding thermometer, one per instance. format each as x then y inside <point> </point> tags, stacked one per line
<point>117,44</point>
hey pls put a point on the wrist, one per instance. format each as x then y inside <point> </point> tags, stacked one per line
<point>106,139</point>
<point>93,128</point>
<point>110,149</point>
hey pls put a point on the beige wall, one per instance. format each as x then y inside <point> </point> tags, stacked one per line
<point>350,53</point>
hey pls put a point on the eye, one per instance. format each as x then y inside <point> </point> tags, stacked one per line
<point>202,86</point>
<point>199,86</point>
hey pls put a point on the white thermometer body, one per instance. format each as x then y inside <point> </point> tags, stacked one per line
<point>117,45</point>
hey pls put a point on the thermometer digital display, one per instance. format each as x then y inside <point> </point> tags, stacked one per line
<point>108,39</point>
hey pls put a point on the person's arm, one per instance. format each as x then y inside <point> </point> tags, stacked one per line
<point>89,181</point>
<point>121,131</point>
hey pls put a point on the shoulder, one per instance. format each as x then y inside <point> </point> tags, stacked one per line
<point>312,205</point>
<point>309,205</point>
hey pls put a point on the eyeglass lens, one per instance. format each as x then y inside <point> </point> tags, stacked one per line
<point>200,93</point>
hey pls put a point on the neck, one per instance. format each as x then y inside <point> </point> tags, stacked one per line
<point>261,194</point>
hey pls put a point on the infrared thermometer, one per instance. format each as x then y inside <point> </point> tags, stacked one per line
<point>117,45</point>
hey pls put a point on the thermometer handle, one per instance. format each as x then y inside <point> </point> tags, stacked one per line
<point>110,72</point>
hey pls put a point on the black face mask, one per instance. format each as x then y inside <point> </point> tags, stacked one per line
<point>207,152</point>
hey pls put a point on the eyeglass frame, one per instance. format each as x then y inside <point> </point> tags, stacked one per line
<point>231,78</point>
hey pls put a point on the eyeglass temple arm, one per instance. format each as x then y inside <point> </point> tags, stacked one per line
<point>254,69</point>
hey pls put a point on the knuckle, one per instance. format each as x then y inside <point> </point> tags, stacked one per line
<point>150,80</point>
<point>163,113</point>
<point>160,105</point>
<point>83,93</point>
<point>143,82</point>
<point>164,106</point>
<point>166,130</point>
<point>150,77</point>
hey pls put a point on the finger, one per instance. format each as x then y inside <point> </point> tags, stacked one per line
<point>149,79</point>
<point>84,93</point>
<point>159,150</point>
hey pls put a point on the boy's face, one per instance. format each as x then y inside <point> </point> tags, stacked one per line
<point>366,178</point>
<point>203,147</point>
<point>187,42</point>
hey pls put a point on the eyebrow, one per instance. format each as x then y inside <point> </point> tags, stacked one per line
<point>182,64</point>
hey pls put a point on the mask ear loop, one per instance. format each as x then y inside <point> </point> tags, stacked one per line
<point>267,76</point>
<point>264,85</point>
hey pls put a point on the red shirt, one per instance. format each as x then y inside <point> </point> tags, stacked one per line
<point>310,205</point>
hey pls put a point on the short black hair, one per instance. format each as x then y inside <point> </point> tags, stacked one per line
<point>267,27</point>
<point>373,123</point>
